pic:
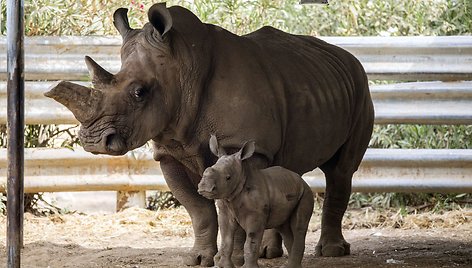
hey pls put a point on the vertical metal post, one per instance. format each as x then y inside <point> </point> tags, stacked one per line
<point>15,128</point>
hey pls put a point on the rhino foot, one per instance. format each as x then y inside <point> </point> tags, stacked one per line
<point>338,249</point>
<point>238,257</point>
<point>271,246</point>
<point>270,252</point>
<point>199,257</point>
<point>224,263</point>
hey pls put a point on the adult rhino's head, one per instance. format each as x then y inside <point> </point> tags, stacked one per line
<point>227,175</point>
<point>144,99</point>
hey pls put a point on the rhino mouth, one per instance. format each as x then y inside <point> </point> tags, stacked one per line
<point>110,142</point>
<point>207,190</point>
<point>207,194</point>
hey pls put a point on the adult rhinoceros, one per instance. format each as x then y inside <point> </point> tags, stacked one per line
<point>305,102</point>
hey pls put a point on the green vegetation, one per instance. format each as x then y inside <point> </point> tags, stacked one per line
<point>361,18</point>
<point>364,17</point>
<point>422,136</point>
<point>410,202</point>
<point>162,200</point>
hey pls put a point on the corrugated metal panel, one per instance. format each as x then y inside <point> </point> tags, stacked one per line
<point>423,103</point>
<point>419,103</point>
<point>62,170</point>
<point>387,58</point>
<point>382,170</point>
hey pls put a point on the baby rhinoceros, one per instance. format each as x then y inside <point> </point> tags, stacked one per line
<point>256,199</point>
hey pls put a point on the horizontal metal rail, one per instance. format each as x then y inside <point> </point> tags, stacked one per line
<point>64,170</point>
<point>423,103</point>
<point>419,103</point>
<point>443,58</point>
<point>382,170</point>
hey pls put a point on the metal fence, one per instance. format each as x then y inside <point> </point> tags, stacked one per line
<point>442,58</point>
<point>416,102</point>
<point>444,96</point>
<point>400,170</point>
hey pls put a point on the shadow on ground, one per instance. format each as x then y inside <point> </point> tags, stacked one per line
<point>410,249</point>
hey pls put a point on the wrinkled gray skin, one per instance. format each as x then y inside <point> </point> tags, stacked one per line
<point>256,199</point>
<point>305,103</point>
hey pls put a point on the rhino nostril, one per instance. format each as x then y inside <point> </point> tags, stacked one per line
<point>114,143</point>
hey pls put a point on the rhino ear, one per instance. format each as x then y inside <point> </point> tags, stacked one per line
<point>159,16</point>
<point>120,20</point>
<point>247,150</point>
<point>99,75</point>
<point>215,147</point>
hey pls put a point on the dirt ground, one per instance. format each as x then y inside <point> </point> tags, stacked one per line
<point>140,238</point>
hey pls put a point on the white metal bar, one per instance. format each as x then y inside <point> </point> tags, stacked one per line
<point>423,103</point>
<point>390,58</point>
<point>382,170</point>
<point>56,170</point>
<point>393,67</point>
<point>419,103</point>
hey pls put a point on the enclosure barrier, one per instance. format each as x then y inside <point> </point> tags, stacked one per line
<point>437,58</point>
<point>382,170</point>
<point>444,96</point>
<point>418,102</point>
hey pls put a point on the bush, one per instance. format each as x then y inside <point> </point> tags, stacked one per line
<point>364,17</point>
<point>422,136</point>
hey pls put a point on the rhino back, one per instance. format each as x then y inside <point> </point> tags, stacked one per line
<point>324,91</point>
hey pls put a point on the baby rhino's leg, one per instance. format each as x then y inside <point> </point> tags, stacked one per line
<point>254,227</point>
<point>228,226</point>
<point>287,236</point>
<point>299,225</point>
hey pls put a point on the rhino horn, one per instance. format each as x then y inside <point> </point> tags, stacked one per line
<point>159,16</point>
<point>82,101</point>
<point>120,20</point>
<point>99,75</point>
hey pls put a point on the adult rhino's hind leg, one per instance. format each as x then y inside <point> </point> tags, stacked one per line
<point>339,171</point>
<point>202,212</point>
<point>338,189</point>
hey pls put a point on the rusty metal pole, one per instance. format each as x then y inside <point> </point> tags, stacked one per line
<point>15,128</point>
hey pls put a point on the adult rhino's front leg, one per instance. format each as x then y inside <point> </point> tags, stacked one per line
<point>202,211</point>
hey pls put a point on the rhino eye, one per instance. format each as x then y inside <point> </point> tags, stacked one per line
<point>228,177</point>
<point>139,93</point>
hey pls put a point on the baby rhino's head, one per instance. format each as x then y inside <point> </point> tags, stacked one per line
<point>221,180</point>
